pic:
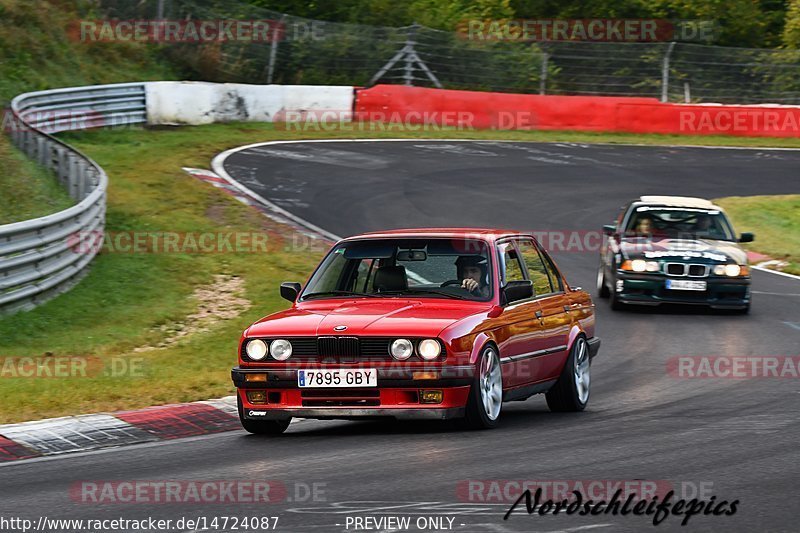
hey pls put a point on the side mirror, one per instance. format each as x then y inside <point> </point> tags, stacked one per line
<point>290,290</point>
<point>518,290</point>
<point>747,237</point>
<point>609,229</point>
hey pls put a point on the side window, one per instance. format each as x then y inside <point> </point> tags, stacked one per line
<point>537,271</point>
<point>511,268</point>
<point>552,271</point>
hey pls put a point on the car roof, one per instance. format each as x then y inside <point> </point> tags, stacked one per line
<point>489,234</point>
<point>678,201</point>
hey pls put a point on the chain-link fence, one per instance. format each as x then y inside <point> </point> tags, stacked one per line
<point>305,51</point>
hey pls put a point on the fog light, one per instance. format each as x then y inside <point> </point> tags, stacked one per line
<point>255,378</point>
<point>256,396</point>
<point>424,375</point>
<point>430,396</point>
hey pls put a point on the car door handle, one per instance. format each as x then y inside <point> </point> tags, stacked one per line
<point>539,315</point>
<point>567,308</point>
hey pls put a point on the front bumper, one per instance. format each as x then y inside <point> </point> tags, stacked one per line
<point>331,413</point>
<point>650,289</point>
<point>397,395</point>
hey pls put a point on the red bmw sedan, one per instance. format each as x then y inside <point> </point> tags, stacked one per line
<point>420,323</point>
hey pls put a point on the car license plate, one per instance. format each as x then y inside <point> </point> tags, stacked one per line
<point>363,377</point>
<point>686,285</point>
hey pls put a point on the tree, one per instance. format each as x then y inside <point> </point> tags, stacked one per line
<point>791,31</point>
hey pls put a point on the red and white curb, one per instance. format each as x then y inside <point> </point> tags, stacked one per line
<point>91,432</point>
<point>230,186</point>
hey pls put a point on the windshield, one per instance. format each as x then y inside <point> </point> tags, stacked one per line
<point>679,223</point>
<point>429,268</point>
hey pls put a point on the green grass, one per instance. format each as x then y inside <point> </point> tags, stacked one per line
<point>126,297</point>
<point>29,190</point>
<point>38,51</point>
<point>775,220</point>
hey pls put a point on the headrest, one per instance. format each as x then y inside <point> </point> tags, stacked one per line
<point>391,278</point>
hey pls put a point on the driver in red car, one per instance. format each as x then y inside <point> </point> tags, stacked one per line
<point>472,271</point>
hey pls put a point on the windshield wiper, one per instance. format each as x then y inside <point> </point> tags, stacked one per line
<point>427,291</point>
<point>338,293</point>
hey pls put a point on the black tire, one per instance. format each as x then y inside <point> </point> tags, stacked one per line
<point>564,395</point>
<point>477,414</point>
<point>261,427</point>
<point>602,287</point>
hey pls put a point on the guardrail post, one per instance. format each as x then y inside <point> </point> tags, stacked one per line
<point>15,131</point>
<point>73,176</point>
<point>82,179</point>
<point>27,138</point>
<point>43,151</point>
<point>61,166</point>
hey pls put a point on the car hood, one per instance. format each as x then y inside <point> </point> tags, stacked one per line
<point>702,250</point>
<point>373,316</point>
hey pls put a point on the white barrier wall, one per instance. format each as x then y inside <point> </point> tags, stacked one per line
<point>186,102</point>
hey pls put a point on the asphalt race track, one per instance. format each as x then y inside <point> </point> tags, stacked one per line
<point>736,439</point>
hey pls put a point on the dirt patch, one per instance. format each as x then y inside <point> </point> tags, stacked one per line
<point>221,300</point>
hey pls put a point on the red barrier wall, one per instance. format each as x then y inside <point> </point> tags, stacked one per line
<point>485,110</point>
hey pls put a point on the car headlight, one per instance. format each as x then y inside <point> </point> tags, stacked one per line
<point>429,349</point>
<point>280,349</point>
<point>731,270</point>
<point>401,349</point>
<point>256,349</point>
<point>640,265</point>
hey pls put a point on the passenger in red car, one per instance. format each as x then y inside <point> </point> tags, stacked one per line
<point>472,271</point>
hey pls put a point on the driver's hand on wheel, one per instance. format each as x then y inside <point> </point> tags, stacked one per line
<point>470,284</point>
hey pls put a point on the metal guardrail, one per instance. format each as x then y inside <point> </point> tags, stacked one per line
<point>43,257</point>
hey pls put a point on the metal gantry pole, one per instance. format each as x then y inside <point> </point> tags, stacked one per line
<point>408,75</point>
<point>665,73</point>
<point>273,50</point>
<point>543,74</point>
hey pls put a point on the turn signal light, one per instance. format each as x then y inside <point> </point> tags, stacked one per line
<point>256,396</point>
<point>424,375</point>
<point>430,396</point>
<point>255,378</point>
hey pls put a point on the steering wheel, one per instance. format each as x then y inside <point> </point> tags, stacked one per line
<point>450,282</point>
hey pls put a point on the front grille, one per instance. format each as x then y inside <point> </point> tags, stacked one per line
<point>375,347</point>
<point>684,269</point>
<point>348,347</point>
<point>327,346</point>
<point>676,269</point>
<point>303,346</point>
<point>341,398</point>
<point>698,271</point>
